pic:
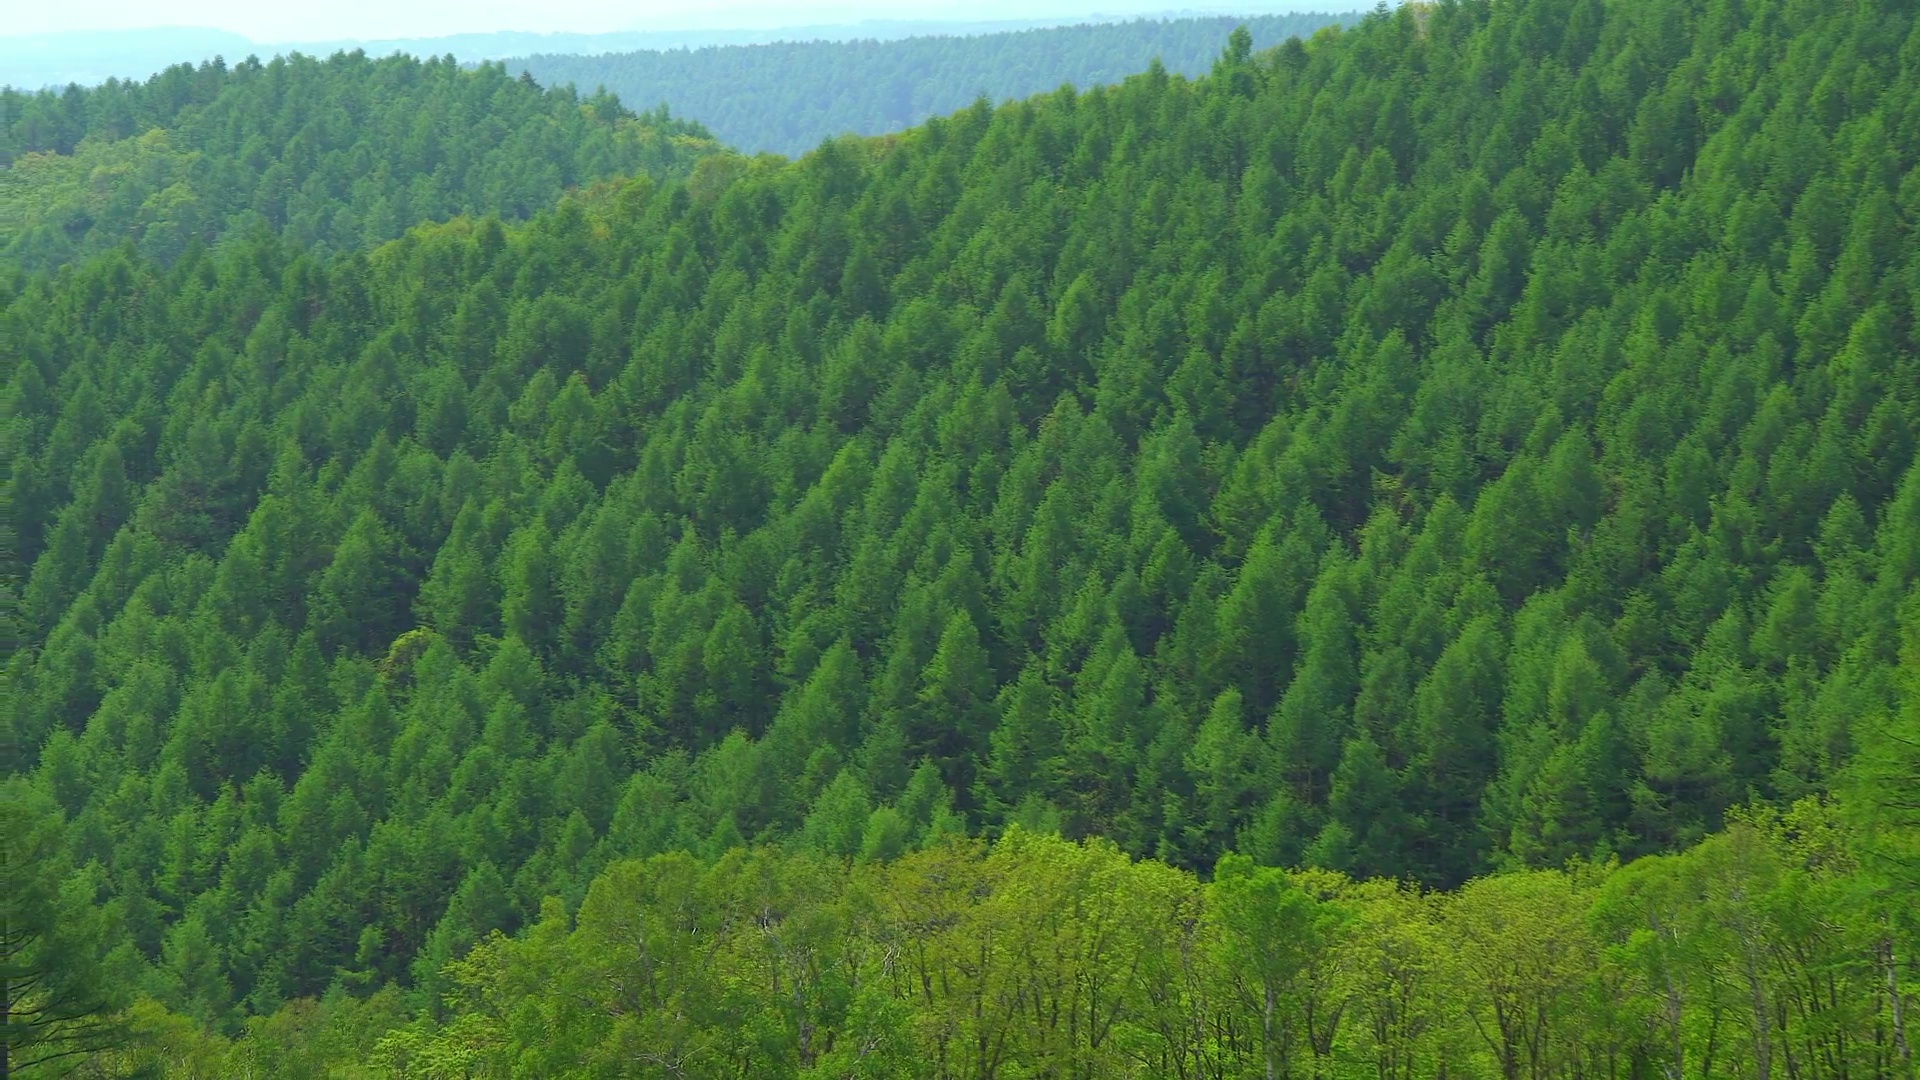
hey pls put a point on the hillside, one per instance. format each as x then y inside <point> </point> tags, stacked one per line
<point>1463,466</point>
<point>336,154</point>
<point>787,97</point>
<point>52,60</point>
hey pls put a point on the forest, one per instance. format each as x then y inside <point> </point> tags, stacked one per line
<point>336,155</point>
<point>1396,557</point>
<point>788,97</point>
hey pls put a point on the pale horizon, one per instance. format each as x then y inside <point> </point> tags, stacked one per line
<point>371,20</point>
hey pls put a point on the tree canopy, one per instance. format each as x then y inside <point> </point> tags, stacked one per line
<point>1396,556</point>
<point>334,154</point>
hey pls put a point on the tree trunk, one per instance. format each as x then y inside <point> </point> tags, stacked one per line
<point>1762,1027</point>
<point>1266,1030</point>
<point>1888,959</point>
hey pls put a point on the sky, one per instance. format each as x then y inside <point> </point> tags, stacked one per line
<point>332,20</point>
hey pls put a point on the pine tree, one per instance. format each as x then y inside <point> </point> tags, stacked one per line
<point>358,599</point>
<point>59,1004</point>
<point>953,708</point>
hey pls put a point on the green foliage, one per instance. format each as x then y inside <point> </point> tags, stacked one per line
<point>57,997</point>
<point>333,154</point>
<point>1481,439</point>
<point>1040,956</point>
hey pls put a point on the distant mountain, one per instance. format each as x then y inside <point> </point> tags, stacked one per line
<point>786,97</point>
<point>90,57</point>
<point>508,44</point>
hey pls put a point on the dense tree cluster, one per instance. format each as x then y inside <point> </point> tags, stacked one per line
<point>1767,951</point>
<point>1479,440</point>
<point>335,154</point>
<point>788,97</point>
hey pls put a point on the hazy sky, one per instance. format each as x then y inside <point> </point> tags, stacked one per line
<point>273,22</point>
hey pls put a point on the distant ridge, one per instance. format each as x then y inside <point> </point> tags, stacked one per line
<point>91,57</point>
<point>787,97</point>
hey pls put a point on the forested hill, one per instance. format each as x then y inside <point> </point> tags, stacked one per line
<point>787,97</point>
<point>1481,441</point>
<point>335,153</point>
